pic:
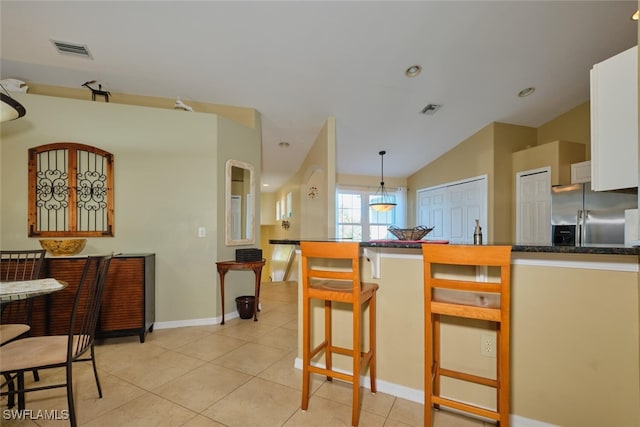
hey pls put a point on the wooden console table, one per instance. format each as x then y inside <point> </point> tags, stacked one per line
<point>256,266</point>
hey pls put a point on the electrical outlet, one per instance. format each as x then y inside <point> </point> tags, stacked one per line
<point>202,232</point>
<point>488,345</point>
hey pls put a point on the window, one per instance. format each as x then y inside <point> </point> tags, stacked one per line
<point>357,221</point>
<point>70,191</point>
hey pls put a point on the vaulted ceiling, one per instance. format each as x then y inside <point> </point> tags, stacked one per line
<point>299,62</point>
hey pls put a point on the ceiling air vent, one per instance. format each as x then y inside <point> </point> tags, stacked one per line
<point>72,49</point>
<point>431,109</point>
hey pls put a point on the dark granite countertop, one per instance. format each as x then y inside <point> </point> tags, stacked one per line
<point>590,249</point>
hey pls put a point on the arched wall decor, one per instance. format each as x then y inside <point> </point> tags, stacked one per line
<point>70,191</point>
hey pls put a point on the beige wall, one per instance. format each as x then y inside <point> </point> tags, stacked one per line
<point>507,139</point>
<point>575,345</point>
<point>243,115</point>
<point>169,180</point>
<point>471,157</point>
<point>487,152</point>
<point>371,182</point>
<point>237,142</point>
<point>574,125</point>
<point>312,218</point>
<point>559,155</point>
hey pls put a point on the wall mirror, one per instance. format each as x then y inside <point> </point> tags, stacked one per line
<point>239,203</point>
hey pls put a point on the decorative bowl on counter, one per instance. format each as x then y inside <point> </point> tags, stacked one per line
<point>415,233</point>
<point>63,247</point>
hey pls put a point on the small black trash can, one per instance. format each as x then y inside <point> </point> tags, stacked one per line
<point>245,305</point>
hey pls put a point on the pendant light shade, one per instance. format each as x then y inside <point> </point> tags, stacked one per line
<point>381,201</point>
<point>10,109</point>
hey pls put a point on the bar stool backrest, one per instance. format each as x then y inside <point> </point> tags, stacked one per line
<point>340,271</point>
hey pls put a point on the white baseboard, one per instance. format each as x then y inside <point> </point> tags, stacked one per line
<point>382,386</point>
<point>195,322</point>
<point>417,396</point>
<point>518,421</point>
<point>198,322</point>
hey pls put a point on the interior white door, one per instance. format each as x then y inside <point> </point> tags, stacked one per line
<point>453,209</point>
<point>533,207</point>
<point>432,207</point>
<point>468,201</point>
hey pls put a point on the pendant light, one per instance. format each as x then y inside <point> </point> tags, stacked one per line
<point>382,202</point>
<point>10,109</point>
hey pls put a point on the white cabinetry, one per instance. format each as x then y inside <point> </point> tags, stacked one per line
<point>581,172</point>
<point>614,122</point>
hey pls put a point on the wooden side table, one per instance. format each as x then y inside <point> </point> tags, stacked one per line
<point>256,266</point>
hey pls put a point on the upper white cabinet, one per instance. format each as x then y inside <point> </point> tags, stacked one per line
<point>581,172</point>
<point>614,122</point>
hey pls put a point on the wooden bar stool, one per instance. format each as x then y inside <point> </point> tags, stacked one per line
<point>321,281</point>
<point>479,298</point>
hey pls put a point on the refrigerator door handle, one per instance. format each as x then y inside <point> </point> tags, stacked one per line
<point>585,219</point>
<point>579,227</point>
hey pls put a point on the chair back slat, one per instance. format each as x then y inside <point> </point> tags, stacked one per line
<point>16,266</point>
<point>21,265</point>
<point>461,255</point>
<point>86,306</point>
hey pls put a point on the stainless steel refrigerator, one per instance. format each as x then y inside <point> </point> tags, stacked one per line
<point>580,216</point>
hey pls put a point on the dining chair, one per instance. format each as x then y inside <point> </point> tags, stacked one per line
<point>61,351</point>
<point>16,315</point>
<point>321,280</point>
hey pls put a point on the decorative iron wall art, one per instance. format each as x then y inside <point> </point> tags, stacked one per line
<point>70,191</point>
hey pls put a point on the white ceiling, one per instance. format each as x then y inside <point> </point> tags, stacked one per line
<point>300,62</point>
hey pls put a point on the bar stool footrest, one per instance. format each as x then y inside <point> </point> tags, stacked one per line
<point>465,407</point>
<point>489,382</point>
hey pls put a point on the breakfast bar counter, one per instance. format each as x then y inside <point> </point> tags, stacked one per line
<point>416,244</point>
<point>575,330</point>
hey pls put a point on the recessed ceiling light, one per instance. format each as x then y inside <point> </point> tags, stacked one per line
<point>265,185</point>
<point>635,15</point>
<point>413,71</point>
<point>283,144</point>
<point>526,92</point>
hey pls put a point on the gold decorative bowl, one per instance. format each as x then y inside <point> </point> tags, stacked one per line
<point>415,233</point>
<point>63,247</point>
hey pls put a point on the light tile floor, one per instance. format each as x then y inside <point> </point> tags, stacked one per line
<point>240,374</point>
